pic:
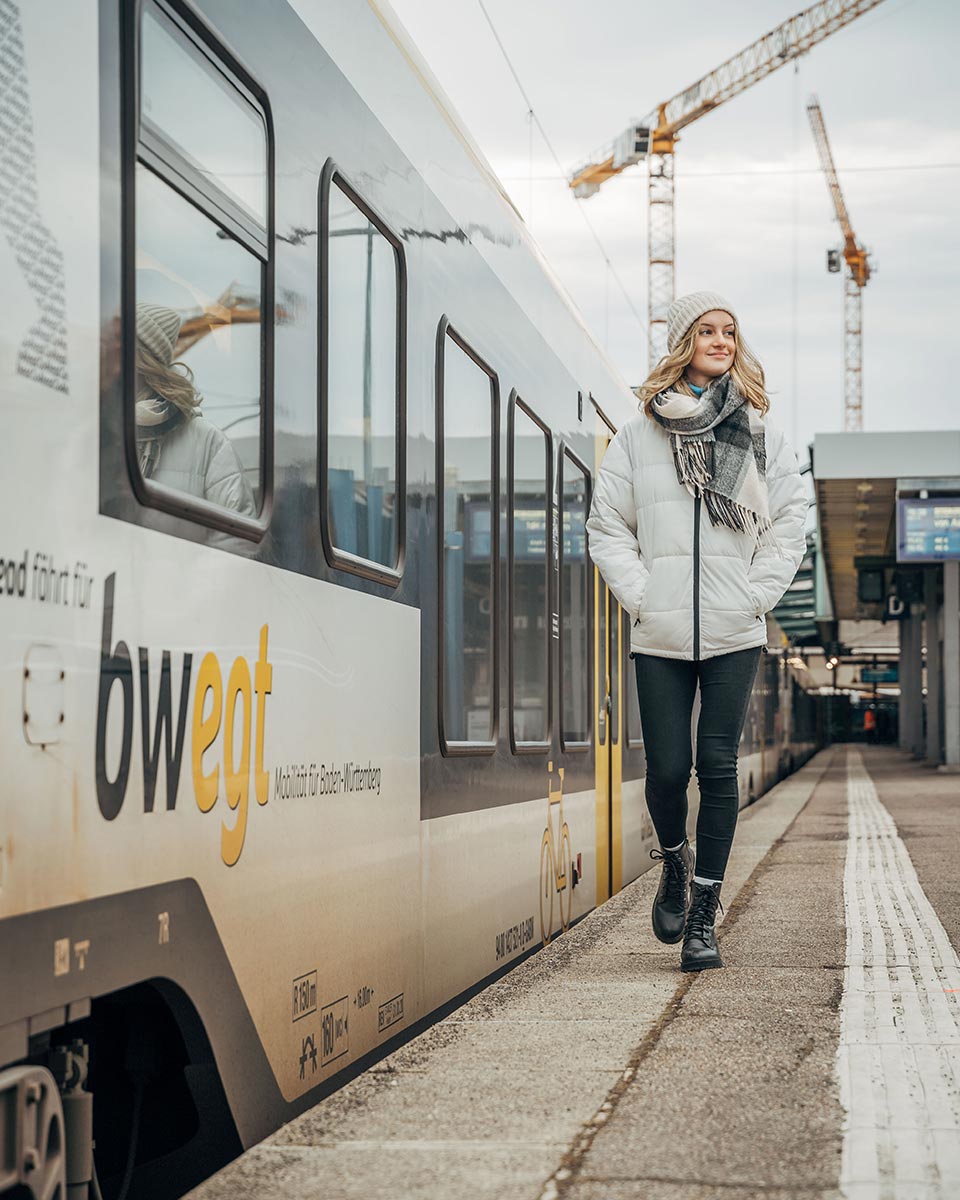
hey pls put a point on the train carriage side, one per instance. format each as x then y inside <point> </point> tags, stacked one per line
<point>292,811</point>
<point>302,754</point>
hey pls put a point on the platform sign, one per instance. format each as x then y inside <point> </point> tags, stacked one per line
<point>878,675</point>
<point>928,530</point>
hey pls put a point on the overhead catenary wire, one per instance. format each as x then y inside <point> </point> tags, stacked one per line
<point>532,116</point>
<point>747,171</point>
<point>530,160</point>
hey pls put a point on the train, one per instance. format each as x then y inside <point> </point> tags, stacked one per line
<point>314,713</point>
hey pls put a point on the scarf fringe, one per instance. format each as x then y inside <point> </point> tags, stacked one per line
<point>693,460</point>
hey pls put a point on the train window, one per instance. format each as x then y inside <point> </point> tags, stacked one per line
<point>575,636</point>
<point>362,386</point>
<point>179,81</point>
<point>528,529</point>
<point>468,403</point>
<point>201,282</point>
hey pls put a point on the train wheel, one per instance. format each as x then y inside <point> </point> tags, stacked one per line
<point>548,885</point>
<point>38,1149</point>
<point>566,867</point>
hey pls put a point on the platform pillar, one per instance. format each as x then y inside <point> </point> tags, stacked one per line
<point>931,604</point>
<point>911,682</point>
<point>951,665</point>
<point>903,673</point>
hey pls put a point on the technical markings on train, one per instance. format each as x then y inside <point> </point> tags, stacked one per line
<point>304,995</point>
<point>511,941</point>
<point>308,1055</point>
<point>335,1030</point>
<point>363,997</point>
<point>298,780</point>
<point>62,959</point>
<point>390,1013</point>
<point>36,575</point>
<point>163,928</point>
<point>61,956</point>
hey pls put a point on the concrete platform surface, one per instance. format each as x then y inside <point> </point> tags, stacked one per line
<point>824,1061</point>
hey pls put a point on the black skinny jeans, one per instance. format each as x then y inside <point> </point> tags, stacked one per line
<point>666,688</point>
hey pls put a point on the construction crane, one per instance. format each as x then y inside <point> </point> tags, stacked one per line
<point>231,308</point>
<point>655,138</point>
<point>857,274</point>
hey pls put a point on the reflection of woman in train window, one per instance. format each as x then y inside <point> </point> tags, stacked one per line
<point>176,445</point>
<point>697,526</point>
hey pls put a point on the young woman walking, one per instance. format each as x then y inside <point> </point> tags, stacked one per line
<point>697,526</point>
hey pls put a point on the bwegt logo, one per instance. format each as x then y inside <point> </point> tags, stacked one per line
<point>212,708</point>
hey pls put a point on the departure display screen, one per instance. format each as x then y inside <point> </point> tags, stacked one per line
<point>928,530</point>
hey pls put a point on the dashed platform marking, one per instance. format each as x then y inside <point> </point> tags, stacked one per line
<point>899,1055</point>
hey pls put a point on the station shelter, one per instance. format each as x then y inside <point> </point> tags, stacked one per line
<point>888,508</point>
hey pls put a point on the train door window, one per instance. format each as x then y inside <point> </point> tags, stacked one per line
<point>362,383</point>
<point>575,632</point>
<point>771,696</point>
<point>528,565</point>
<point>201,279</point>
<point>634,730</point>
<point>603,605</point>
<point>468,403</point>
<point>615,634</point>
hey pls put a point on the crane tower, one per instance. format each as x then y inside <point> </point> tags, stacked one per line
<point>855,279</point>
<point>655,137</point>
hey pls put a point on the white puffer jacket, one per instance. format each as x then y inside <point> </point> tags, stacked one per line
<point>692,589</point>
<point>198,459</point>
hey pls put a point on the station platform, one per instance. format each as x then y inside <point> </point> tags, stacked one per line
<point>823,1061</point>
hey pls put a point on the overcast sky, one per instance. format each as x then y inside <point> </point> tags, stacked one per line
<point>754,218</point>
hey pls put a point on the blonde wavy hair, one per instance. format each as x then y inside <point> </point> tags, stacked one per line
<point>173,383</point>
<point>670,371</point>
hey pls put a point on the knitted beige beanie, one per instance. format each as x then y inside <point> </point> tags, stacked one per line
<point>686,309</point>
<point>157,328</point>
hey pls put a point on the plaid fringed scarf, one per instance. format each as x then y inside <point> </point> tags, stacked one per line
<point>155,418</point>
<point>720,454</point>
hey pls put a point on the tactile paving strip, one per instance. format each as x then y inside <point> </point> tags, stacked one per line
<point>899,1054</point>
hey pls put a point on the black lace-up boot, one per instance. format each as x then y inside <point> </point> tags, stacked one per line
<point>673,895</point>
<point>700,951</point>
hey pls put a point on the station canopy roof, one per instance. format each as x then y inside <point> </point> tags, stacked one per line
<point>858,478</point>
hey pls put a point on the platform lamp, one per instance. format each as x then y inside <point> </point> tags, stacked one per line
<point>870,585</point>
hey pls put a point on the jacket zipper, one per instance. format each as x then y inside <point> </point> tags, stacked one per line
<point>696,577</point>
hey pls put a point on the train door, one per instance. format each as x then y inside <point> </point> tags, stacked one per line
<point>617,631</point>
<point>601,676</point>
<point>608,658</point>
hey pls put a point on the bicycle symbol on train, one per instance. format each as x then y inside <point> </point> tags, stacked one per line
<point>556,868</point>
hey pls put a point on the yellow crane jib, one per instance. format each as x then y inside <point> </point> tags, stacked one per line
<point>858,272</point>
<point>654,138</point>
